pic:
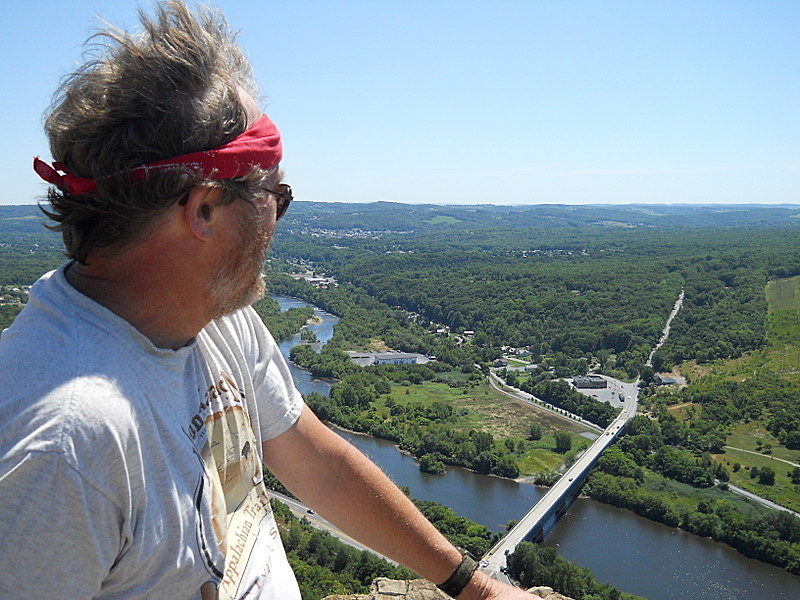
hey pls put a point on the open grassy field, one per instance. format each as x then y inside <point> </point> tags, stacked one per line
<point>503,417</point>
<point>540,461</point>
<point>684,411</point>
<point>783,492</point>
<point>442,220</point>
<point>783,327</point>
<point>685,496</point>
<point>489,409</point>
<point>754,437</point>
<point>782,294</point>
<point>516,362</point>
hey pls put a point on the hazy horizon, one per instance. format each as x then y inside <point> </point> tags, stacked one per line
<point>651,205</point>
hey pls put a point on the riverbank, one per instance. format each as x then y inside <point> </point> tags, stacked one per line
<point>429,429</point>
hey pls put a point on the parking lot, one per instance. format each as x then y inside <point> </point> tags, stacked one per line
<point>610,394</point>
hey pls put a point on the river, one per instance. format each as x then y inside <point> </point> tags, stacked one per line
<point>634,554</point>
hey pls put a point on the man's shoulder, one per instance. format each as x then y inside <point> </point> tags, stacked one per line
<point>54,380</point>
<point>37,347</point>
<point>243,327</point>
<point>60,328</point>
<point>41,321</point>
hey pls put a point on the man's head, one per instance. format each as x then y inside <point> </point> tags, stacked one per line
<point>180,86</point>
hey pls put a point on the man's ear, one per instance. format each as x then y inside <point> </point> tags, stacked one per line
<point>201,210</point>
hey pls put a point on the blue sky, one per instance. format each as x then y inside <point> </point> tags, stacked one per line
<point>465,102</point>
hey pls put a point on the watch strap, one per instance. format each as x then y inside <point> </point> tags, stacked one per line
<point>461,576</point>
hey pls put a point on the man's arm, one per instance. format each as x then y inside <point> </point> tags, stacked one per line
<point>341,484</point>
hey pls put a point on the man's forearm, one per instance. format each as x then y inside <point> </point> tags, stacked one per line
<point>339,482</point>
<point>342,485</point>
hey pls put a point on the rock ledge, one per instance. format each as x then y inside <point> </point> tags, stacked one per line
<point>420,589</point>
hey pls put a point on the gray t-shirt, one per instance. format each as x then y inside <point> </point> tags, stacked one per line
<point>127,471</point>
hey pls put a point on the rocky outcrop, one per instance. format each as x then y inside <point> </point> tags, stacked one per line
<point>420,589</point>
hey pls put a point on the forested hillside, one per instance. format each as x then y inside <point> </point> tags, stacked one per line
<point>565,282</point>
<point>420,218</point>
<point>586,287</point>
<point>561,280</point>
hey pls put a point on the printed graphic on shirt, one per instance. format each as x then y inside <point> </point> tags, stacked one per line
<point>238,498</point>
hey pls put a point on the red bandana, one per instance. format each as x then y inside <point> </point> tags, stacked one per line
<point>259,146</point>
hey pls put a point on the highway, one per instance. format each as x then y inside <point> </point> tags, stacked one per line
<point>301,511</point>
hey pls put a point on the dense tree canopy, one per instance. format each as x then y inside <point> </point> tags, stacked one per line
<point>600,292</point>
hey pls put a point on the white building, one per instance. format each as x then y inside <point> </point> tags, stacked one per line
<point>364,359</point>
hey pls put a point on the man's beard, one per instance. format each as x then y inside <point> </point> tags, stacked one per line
<point>239,279</point>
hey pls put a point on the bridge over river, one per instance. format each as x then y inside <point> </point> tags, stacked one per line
<point>543,516</point>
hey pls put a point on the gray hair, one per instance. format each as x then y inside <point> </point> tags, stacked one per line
<point>173,88</point>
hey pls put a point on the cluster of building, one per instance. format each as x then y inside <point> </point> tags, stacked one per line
<point>364,359</point>
<point>321,232</point>
<point>318,281</point>
<point>14,294</point>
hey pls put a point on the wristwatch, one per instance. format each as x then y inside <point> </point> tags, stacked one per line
<point>461,576</point>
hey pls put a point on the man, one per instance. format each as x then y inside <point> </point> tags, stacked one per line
<point>142,392</point>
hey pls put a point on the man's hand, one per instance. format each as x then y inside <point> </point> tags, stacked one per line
<point>482,587</point>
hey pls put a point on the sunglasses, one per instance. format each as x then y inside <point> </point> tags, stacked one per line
<point>284,196</point>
